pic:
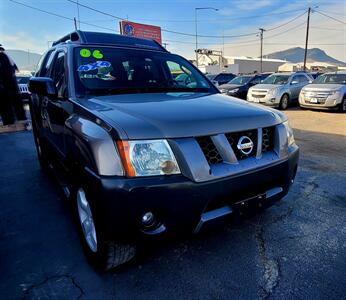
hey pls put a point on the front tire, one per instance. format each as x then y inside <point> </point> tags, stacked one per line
<point>102,253</point>
<point>342,107</point>
<point>284,102</point>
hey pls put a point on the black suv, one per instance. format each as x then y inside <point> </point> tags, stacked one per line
<point>141,154</point>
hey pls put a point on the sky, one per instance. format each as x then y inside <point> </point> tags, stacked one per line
<point>28,29</point>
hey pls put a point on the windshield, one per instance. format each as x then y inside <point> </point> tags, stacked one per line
<point>223,77</point>
<point>276,79</point>
<point>240,80</point>
<point>23,79</point>
<point>106,70</point>
<point>210,76</point>
<point>331,79</point>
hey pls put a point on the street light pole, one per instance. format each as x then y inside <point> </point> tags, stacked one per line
<point>196,9</point>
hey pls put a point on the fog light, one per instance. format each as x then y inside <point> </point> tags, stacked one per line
<point>148,219</point>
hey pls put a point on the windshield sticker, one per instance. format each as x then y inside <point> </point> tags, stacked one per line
<point>94,66</point>
<point>97,54</point>
<point>85,53</point>
<point>104,68</point>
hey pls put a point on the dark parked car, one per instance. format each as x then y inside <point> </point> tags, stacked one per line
<point>239,86</point>
<point>141,154</point>
<point>223,78</point>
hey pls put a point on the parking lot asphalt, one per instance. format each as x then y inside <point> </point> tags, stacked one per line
<point>294,250</point>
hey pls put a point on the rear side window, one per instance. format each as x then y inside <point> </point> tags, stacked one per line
<point>45,64</point>
<point>58,75</point>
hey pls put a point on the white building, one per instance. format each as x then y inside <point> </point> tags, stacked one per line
<point>238,64</point>
<point>311,66</point>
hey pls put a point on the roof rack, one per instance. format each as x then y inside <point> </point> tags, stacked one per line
<point>110,39</point>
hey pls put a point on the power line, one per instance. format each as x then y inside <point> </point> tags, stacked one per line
<point>290,21</point>
<point>60,16</point>
<point>183,33</point>
<point>253,41</point>
<point>330,17</point>
<point>163,29</point>
<point>189,21</point>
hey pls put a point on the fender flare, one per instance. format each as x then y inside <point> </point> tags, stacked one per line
<point>90,145</point>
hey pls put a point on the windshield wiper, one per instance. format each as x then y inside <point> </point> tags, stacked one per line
<point>133,90</point>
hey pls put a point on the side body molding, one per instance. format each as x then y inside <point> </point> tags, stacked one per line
<point>92,146</point>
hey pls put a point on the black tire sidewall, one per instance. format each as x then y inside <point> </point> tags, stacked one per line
<point>281,102</point>
<point>342,105</point>
<point>39,144</point>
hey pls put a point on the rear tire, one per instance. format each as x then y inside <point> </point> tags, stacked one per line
<point>284,101</point>
<point>40,148</point>
<point>101,252</point>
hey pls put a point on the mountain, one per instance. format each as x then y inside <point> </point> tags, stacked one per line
<point>296,55</point>
<point>25,60</point>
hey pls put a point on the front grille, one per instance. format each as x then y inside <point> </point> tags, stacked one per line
<point>258,96</point>
<point>209,150</point>
<point>213,156</point>
<point>268,139</point>
<point>233,139</point>
<point>319,101</point>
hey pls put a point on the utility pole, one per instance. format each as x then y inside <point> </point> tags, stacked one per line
<point>307,38</point>
<point>261,56</point>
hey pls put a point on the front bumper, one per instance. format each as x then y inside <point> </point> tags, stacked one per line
<point>181,205</point>
<point>326,103</point>
<point>272,101</point>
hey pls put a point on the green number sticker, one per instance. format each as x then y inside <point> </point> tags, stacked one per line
<point>97,54</point>
<point>84,53</point>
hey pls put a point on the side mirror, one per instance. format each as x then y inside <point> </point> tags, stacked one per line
<point>294,82</point>
<point>43,86</point>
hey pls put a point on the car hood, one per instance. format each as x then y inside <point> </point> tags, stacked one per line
<point>174,115</point>
<point>265,86</point>
<point>323,87</point>
<point>228,86</point>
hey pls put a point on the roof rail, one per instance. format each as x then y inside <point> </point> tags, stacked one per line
<point>100,38</point>
<point>76,36</point>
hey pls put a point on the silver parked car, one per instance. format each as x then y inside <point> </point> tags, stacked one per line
<point>279,89</point>
<point>328,91</point>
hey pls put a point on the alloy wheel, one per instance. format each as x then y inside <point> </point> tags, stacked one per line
<point>86,220</point>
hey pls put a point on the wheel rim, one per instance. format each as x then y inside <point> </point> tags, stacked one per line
<point>86,220</point>
<point>344,105</point>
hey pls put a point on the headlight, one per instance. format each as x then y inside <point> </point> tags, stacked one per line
<point>233,91</point>
<point>272,92</point>
<point>335,93</point>
<point>147,158</point>
<point>289,131</point>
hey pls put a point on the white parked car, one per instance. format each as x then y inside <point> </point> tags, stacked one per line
<point>328,91</point>
<point>279,89</point>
